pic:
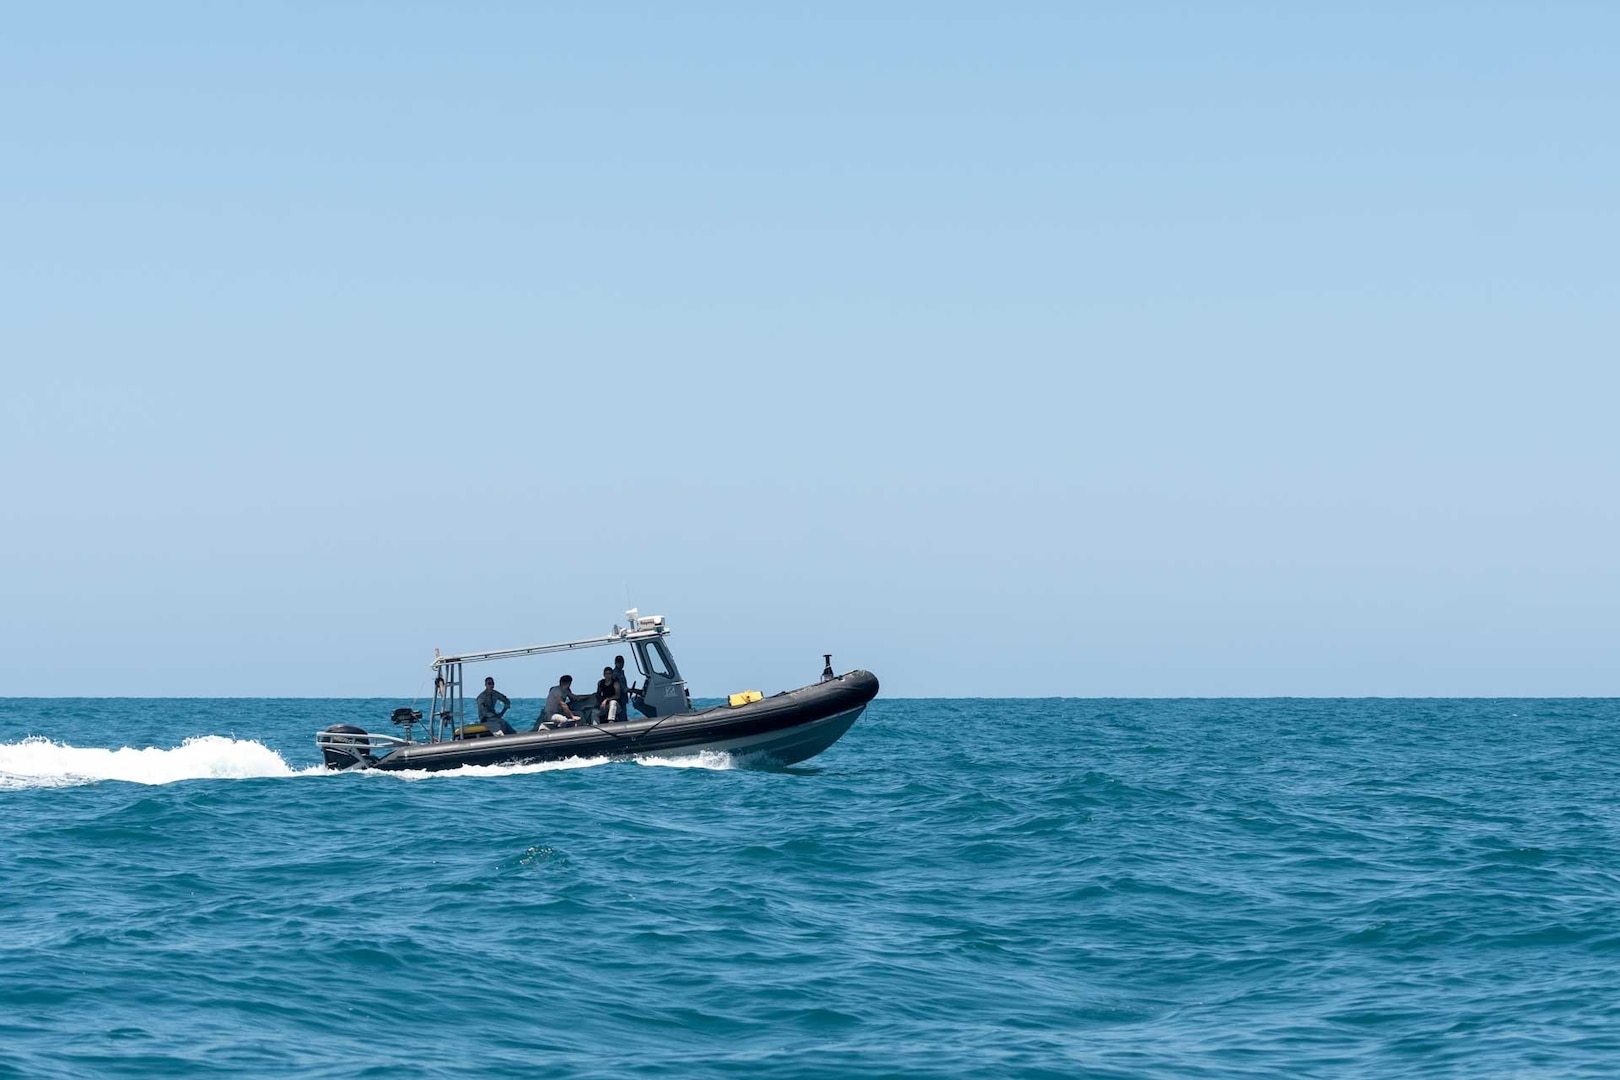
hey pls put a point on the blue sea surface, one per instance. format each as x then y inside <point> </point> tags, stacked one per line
<point>986,888</point>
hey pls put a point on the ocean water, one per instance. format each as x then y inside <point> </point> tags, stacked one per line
<point>988,888</point>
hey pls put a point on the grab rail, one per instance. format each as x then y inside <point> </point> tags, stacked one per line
<point>339,740</point>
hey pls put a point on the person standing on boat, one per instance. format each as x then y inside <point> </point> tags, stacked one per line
<point>487,713</point>
<point>623,680</point>
<point>557,709</point>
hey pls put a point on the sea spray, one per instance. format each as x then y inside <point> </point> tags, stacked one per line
<point>41,762</point>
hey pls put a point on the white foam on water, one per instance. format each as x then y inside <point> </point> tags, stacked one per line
<point>38,762</point>
<point>706,759</point>
<point>477,772</point>
<point>717,760</point>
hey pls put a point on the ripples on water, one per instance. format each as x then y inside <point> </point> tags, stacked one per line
<point>958,888</point>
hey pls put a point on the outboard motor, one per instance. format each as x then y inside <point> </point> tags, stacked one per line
<point>345,746</point>
<point>827,672</point>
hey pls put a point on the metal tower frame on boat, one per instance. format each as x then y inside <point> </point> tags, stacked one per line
<point>664,691</point>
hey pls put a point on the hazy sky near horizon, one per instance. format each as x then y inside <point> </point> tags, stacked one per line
<point>1014,349</point>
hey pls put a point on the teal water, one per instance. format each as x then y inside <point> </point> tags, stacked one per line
<point>1269,888</point>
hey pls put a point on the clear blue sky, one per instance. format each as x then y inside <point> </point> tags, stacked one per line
<point>1004,349</point>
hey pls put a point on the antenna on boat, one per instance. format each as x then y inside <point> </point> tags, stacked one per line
<point>827,672</point>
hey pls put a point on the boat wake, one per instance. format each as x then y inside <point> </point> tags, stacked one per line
<point>718,760</point>
<point>707,759</point>
<point>38,762</point>
<point>476,772</point>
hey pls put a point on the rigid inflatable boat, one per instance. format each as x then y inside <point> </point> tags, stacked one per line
<point>770,731</point>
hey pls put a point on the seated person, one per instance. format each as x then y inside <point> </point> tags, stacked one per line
<point>487,713</point>
<point>608,708</point>
<point>557,710</point>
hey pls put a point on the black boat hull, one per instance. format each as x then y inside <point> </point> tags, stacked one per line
<point>780,730</point>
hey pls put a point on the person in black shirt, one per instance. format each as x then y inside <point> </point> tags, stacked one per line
<point>607,698</point>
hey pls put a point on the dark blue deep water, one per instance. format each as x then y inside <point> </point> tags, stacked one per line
<point>1176,889</point>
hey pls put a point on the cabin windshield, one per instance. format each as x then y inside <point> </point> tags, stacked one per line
<point>653,660</point>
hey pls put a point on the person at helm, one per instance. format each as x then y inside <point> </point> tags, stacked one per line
<point>623,679</point>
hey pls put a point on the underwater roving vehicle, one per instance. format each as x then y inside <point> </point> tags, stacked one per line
<point>783,729</point>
